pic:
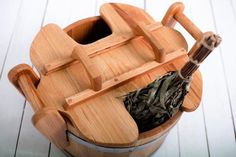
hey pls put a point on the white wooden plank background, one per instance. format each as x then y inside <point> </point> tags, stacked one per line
<point>209,131</point>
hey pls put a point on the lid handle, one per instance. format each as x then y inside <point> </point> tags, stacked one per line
<point>140,29</point>
<point>93,72</point>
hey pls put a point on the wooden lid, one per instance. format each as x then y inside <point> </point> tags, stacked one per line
<point>86,81</point>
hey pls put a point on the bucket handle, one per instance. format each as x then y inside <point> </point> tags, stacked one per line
<point>175,14</point>
<point>48,121</point>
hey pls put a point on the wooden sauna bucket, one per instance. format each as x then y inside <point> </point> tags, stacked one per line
<point>77,110</point>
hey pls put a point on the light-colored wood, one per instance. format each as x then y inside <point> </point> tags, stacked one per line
<point>53,34</point>
<point>64,13</point>
<point>77,149</point>
<point>58,65</point>
<point>97,49</point>
<point>118,41</point>
<point>175,13</point>
<point>91,68</point>
<point>51,124</point>
<point>158,49</point>
<point>101,117</point>
<point>20,138</point>
<point>25,80</point>
<point>140,29</point>
<point>86,94</point>
<point>191,124</point>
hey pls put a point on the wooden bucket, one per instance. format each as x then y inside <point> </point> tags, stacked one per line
<point>85,68</point>
<point>148,142</point>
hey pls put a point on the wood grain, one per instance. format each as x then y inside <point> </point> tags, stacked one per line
<point>103,120</point>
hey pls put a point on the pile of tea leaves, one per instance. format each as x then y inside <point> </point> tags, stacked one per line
<point>151,106</point>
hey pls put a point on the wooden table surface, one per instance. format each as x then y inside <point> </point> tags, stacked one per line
<point>209,131</point>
